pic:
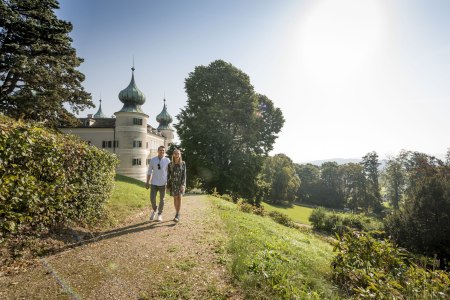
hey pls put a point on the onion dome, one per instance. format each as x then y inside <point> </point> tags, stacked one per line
<point>164,119</point>
<point>99,113</point>
<point>131,97</point>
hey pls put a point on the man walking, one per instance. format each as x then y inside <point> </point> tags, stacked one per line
<point>157,176</point>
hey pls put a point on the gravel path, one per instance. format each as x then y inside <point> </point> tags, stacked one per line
<point>141,260</point>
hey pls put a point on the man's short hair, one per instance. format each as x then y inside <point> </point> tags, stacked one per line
<point>161,147</point>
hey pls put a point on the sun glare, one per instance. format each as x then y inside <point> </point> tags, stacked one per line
<point>338,38</point>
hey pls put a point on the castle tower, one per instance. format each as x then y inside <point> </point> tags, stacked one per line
<point>131,131</point>
<point>99,113</point>
<point>164,120</point>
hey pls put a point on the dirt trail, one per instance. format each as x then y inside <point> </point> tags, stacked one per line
<point>142,260</point>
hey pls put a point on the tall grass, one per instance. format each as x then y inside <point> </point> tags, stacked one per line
<point>271,261</point>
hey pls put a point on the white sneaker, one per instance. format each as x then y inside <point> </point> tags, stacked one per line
<point>159,218</point>
<point>152,215</point>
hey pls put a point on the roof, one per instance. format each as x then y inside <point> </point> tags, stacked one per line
<point>95,123</point>
<point>131,97</point>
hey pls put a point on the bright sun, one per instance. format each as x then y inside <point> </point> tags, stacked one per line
<point>338,38</point>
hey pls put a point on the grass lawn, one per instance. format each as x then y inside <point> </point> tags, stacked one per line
<point>129,197</point>
<point>297,213</point>
<point>271,261</point>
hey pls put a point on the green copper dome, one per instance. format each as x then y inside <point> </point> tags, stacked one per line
<point>131,97</point>
<point>99,113</point>
<point>164,119</point>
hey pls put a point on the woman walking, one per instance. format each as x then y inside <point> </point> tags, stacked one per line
<point>176,178</point>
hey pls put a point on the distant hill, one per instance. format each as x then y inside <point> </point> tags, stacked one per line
<point>342,161</point>
<point>339,161</point>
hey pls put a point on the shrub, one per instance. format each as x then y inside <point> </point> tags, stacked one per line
<point>339,223</point>
<point>370,268</point>
<point>244,206</point>
<point>47,178</point>
<point>259,210</point>
<point>281,218</point>
<point>226,197</point>
<point>317,218</point>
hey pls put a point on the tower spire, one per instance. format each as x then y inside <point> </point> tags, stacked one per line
<point>99,113</point>
<point>131,97</point>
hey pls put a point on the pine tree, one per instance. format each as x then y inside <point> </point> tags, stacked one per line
<point>38,75</point>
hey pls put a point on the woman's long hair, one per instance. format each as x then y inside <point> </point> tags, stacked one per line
<point>173,159</point>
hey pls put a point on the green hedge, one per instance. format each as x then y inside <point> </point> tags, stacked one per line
<point>48,179</point>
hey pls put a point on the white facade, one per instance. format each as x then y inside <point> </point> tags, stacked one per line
<point>128,135</point>
<point>134,145</point>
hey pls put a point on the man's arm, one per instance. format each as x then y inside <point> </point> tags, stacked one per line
<point>149,175</point>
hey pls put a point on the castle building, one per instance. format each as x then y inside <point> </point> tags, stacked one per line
<point>127,133</point>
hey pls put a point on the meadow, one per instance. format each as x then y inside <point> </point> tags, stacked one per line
<point>296,212</point>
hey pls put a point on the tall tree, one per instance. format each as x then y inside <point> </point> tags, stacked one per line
<point>309,175</point>
<point>354,185</point>
<point>394,181</point>
<point>422,223</point>
<point>38,74</point>
<point>373,195</point>
<point>331,193</point>
<point>226,128</point>
<point>282,181</point>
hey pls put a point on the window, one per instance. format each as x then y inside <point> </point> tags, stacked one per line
<point>106,144</point>
<point>116,144</point>
<point>146,145</point>
<point>136,162</point>
<point>137,144</point>
<point>147,162</point>
<point>137,121</point>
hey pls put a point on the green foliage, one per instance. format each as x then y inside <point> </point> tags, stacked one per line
<point>309,177</point>
<point>330,191</point>
<point>338,223</point>
<point>422,223</point>
<point>317,218</point>
<point>226,128</point>
<point>47,178</point>
<point>281,182</point>
<point>38,75</point>
<point>246,207</point>
<point>369,268</point>
<point>372,197</point>
<point>394,181</point>
<point>281,218</point>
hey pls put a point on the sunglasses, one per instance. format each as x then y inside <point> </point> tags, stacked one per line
<point>159,167</point>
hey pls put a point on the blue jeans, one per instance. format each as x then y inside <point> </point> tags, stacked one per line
<point>162,193</point>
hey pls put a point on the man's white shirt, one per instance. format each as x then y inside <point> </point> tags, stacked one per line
<point>159,176</point>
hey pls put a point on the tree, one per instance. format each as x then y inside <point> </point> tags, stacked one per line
<point>394,180</point>
<point>354,184</point>
<point>309,175</point>
<point>372,196</point>
<point>331,193</point>
<point>226,128</point>
<point>422,223</point>
<point>38,73</point>
<point>282,181</point>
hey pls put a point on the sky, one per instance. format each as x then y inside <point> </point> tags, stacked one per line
<point>350,76</point>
